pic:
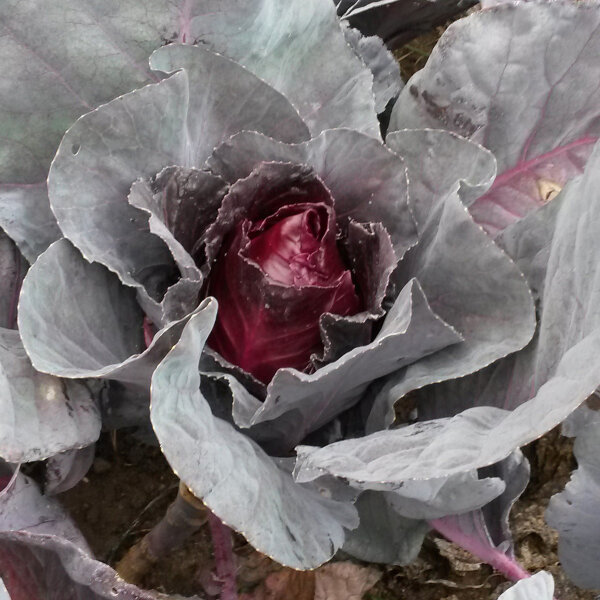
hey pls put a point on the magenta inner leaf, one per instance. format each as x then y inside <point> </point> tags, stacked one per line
<point>274,279</point>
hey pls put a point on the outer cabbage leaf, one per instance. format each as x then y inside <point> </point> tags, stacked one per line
<point>44,557</point>
<point>534,103</point>
<point>41,415</point>
<point>574,512</point>
<point>59,61</point>
<point>384,535</point>
<point>384,67</point>
<point>175,122</point>
<point>284,43</point>
<point>398,21</point>
<point>236,479</point>
<point>489,303</point>
<point>98,331</point>
<point>517,399</point>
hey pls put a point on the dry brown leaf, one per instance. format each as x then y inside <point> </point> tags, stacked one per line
<point>344,581</point>
<point>286,584</point>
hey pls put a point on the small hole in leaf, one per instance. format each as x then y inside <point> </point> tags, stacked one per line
<point>75,149</point>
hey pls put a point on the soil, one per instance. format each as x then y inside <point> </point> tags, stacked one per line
<point>131,485</point>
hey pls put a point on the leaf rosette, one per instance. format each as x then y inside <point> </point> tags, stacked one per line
<point>237,235</point>
<point>224,178</point>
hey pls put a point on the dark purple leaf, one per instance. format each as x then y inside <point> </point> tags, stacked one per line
<point>12,271</point>
<point>278,271</point>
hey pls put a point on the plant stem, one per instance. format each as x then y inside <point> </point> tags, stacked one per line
<point>224,558</point>
<point>183,518</point>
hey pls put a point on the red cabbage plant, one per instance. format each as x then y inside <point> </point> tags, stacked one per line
<point>245,260</point>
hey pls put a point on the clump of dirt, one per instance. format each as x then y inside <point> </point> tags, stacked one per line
<point>127,491</point>
<point>413,56</point>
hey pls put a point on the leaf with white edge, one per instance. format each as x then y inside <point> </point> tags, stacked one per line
<point>383,535</point>
<point>520,397</point>
<point>59,61</point>
<point>94,327</point>
<point>295,525</point>
<point>366,180</point>
<point>537,587</point>
<point>489,302</point>
<point>41,415</point>
<point>384,67</point>
<point>556,247</point>
<point>574,511</point>
<point>533,104</point>
<point>410,331</point>
<point>224,99</point>
<point>175,122</point>
<point>438,160</point>
<point>297,47</point>
<point>98,160</point>
<point>430,449</point>
<point>44,556</point>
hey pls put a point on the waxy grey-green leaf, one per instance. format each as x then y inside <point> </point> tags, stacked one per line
<point>60,60</point>
<point>574,512</point>
<point>98,331</point>
<point>41,415</point>
<point>530,100</point>
<point>236,479</point>
<point>518,399</point>
<point>175,122</point>
<point>298,47</point>
<point>489,302</point>
<point>384,536</point>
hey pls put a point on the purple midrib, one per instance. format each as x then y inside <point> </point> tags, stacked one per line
<point>524,166</point>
